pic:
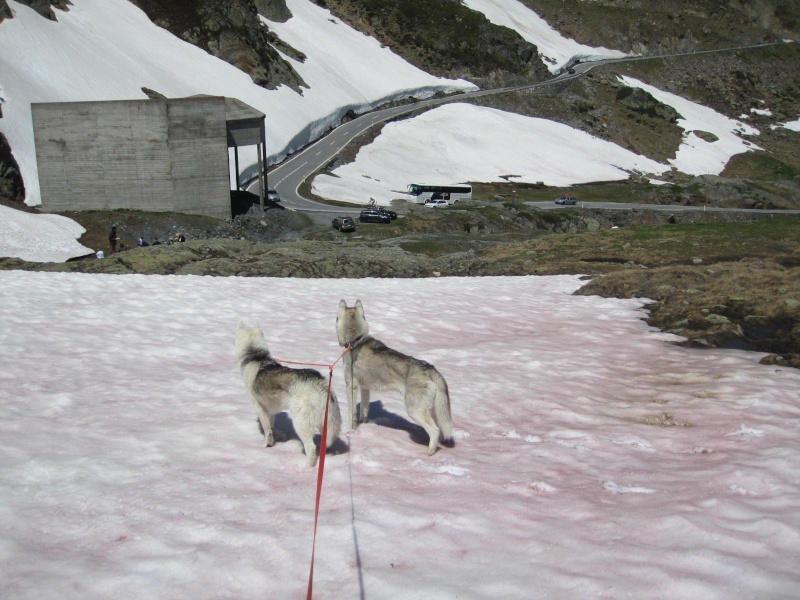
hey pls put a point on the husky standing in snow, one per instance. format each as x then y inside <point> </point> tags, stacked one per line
<point>371,365</point>
<point>274,388</point>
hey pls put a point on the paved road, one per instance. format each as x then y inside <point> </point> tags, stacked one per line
<point>673,208</point>
<point>287,177</point>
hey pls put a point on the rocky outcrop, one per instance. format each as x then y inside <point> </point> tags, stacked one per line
<point>274,10</point>
<point>691,301</point>
<point>43,7</point>
<point>640,101</point>
<point>233,31</point>
<point>225,257</point>
<point>11,184</point>
<point>445,38</point>
<point>671,26</point>
<point>726,192</point>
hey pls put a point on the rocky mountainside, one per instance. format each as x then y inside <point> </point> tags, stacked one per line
<point>430,34</point>
<point>446,38</point>
<point>671,26</point>
<point>43,7</point>
<point>11,184</point>
<point>231,30</point>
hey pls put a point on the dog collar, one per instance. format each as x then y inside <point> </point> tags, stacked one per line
<point>352,344</point>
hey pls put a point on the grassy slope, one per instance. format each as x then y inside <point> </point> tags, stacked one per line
<point>596,104</point>
<point>641,26</point>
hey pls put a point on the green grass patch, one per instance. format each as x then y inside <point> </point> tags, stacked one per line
<point>692,245</point>
<point>440,245</point>
<point>684,242</point>
<point>625,191</point>
<point>760,167</point>
<point>134,223</point>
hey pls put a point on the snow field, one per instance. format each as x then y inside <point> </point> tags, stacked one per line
<point>592,457</point>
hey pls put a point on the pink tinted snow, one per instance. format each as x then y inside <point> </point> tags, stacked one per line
<point>593,458</point>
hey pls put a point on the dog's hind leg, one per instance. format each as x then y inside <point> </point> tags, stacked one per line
<point>268,425</point>
<point>425,419</point>
<point>441,410</point>
<point>306,434</point>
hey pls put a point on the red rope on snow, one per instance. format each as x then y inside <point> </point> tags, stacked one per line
<point>323,445</point>
<point>321,467</point>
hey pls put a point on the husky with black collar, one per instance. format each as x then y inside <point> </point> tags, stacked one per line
<point>274,388</point>
<point>371,365</point>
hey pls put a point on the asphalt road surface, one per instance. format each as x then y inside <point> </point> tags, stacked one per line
<point>287,177</point>
<point>548,204</point>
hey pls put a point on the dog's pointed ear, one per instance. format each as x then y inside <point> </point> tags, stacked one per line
<point>342,304</point>
<point>241,325</point>
<point>359,307</point>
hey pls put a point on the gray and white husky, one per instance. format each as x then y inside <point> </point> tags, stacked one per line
<point>371,365</point>
<point>274,388</point>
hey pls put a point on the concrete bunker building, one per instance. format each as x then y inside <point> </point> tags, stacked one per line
<point>150,155</point>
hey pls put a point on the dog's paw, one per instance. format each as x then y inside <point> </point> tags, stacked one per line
<point>269,441</point>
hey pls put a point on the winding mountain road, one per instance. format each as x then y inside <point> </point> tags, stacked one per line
<point>287,177</point>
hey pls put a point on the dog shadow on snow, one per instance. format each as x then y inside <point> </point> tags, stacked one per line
<point>383,418</point>
<point>378,415</point>
<point>284,431</point>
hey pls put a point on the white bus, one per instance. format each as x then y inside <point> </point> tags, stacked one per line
<point>418,193</point>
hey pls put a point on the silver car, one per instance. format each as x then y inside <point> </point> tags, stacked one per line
<point>436,203</point>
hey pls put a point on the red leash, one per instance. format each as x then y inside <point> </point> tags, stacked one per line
<point>323,446</point>
<point>321,468</point>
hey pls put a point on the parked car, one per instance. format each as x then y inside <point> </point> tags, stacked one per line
<point>373,205</point>
<point>567,199</point>
<point>273,195</point>
<point>373,215</point>
<point>344,223</point>
<point>436,203</point>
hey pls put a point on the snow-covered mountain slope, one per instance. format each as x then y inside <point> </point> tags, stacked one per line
<point>554,49</point>
<point>109,50</point>
<point>462,142</point>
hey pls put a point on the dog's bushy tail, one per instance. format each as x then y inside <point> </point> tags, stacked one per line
<point>441,409</point>
<point>334,419</point>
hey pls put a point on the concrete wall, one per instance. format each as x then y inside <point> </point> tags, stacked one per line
<point>150,155</point>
